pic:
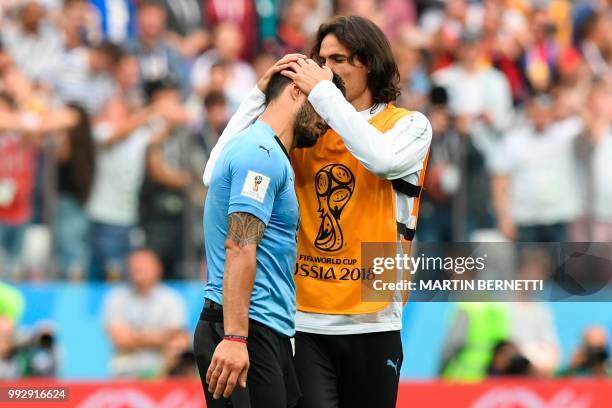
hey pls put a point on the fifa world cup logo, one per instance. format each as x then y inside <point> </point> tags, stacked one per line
<point>256,183</point>
<point>334,184</point>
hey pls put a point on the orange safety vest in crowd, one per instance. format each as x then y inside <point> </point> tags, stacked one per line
<point>342,204</point>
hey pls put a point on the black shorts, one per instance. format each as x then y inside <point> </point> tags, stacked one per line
<point>271,379</point>
<point>348,371</point>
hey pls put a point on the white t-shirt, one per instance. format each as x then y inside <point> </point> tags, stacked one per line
<point>542,168</point>
<point>602,179</point>
<point>397,153</point>
<point>120,170</point>
<point>472,93</point>
<point>161,309</point>
<point>76,83</point>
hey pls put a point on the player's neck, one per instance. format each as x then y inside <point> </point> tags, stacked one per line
<point>363,101</point>
<point>281,123</point>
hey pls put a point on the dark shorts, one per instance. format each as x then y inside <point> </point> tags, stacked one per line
<point>348,371</point>
<point>271,379</point>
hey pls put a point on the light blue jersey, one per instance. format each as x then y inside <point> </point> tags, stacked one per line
<point>253,175</point>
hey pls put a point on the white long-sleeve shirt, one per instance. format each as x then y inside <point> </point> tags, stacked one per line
<point>398,153</point>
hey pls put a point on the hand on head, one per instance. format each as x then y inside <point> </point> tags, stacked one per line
<point>306,74</point>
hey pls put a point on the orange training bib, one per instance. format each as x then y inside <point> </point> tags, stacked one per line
<point>342,204</point>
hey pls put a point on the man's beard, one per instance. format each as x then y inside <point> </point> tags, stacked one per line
<point>305,133</point>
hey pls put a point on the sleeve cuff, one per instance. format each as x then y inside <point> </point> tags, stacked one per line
<point>254,210</point>
<point>257,93</point>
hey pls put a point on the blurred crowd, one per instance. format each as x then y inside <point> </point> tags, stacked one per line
<point>109,110</point>
<point>145,321</point>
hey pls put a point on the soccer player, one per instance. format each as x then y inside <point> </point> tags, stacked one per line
<point>250,227</point>
<point>361,182</point>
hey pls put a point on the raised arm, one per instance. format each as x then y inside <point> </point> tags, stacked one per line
<point>391,154</point>
<point>247,113</point>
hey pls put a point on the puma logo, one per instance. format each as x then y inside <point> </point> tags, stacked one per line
<point>393,365</point>
<point>266,150</point>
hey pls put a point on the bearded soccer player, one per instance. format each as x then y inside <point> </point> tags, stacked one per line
<point>372,162</point>
<point>250,222</point>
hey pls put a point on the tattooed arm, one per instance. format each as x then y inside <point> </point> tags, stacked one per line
<point>230,362</point>
<point>244,231</point>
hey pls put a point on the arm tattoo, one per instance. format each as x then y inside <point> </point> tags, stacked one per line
<point>244,229</point>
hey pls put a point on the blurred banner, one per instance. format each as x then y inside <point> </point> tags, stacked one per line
<point>489,394</point>
<point>508,394</point>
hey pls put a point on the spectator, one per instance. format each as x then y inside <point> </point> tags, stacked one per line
<point>534,163</point>
<point>42,358</point>
<point>400,14</point>
<point>480,101</point>
<point>241,14</point>
<point>595,224</point>
<point>157,58</point>
<point>163,201</point>
<point>452,19</point>
<point>541,55</point>
<point>142,318</point>
<point>126,77</point>
<point>239,77</point>
<point>122,138</point>
<point>27,115</point>
<point>478,95</point>
<point>443,176</point>
<point>17,169</point>
<point>409,53</point>
<point>76,165</point>
<point>595,42</point>
<point>475,331</point>
<point>216,119</point>
<point>216,116</point>
<point>592,358</point>
<point>532,327</point>
<point>186,27</point>
<point>291,37</point>
<point>85,76</point>
<point>80,24</point>
<point>508,361</point>
<point>34,43</point>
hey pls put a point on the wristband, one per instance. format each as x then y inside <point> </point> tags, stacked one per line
<point>238,339</point>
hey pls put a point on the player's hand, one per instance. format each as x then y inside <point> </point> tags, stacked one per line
<point>229,366</point>
<point>280,65</point>
<point>307,73</point>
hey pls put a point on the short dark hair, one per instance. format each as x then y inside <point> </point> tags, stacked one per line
<point>278,82</point>
<point>110,50</point>
<point>438,96</point>
<point>152,88</point>
<point>214,98</point>
<point>368,44</point>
